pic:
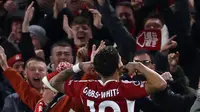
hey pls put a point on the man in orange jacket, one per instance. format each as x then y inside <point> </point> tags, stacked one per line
<point>30,96</point>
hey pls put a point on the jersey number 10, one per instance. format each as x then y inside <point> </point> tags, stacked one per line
<point>112,104</point>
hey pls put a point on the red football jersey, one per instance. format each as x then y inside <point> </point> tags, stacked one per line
<point>111,96</point>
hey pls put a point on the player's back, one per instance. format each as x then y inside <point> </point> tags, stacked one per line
<point>112,96</point>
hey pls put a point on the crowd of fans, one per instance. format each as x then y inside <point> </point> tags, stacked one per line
<point>47,45</point>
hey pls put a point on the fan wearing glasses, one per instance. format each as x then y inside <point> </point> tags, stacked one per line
<point>144,104</point>
<point>145,58</point>
<point>174,98</point>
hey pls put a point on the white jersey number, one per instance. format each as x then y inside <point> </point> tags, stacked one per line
<point>112,104</point>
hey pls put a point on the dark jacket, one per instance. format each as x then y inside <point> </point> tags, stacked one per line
<point>169,101</point>
<point>13,103</point>
<point>5,90</point>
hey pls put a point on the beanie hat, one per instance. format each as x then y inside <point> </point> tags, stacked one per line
<point>62,66</point>
<point>14,59</point>
<point>39,32</point>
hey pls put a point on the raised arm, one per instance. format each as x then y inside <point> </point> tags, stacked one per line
<point>26,45</point>
<point>154,81</point>
<point>27,94</point>
<point>119,33</point>
<point>58,81</point>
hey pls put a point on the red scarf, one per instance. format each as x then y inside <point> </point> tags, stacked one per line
<point>40,106</point>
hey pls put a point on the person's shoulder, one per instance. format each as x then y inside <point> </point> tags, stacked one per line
<point>14,96</point>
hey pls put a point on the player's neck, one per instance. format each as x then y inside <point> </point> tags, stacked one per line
<point>114,77</point>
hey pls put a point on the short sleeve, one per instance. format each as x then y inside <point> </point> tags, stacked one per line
<point>133,90</point>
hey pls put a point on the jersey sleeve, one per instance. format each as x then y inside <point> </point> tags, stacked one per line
<point>133,90</point>
<point>73,88</point>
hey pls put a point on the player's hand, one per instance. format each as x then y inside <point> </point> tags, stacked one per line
<point>71,34</point>
<point>3,59</point>
<point>167,76</point>
<point>173,59</point>
<point>87,67</point>
<point>28,17</point>
<point>95,51</point>
<point>10,6</point>
<point>82,55</point>
<point>97,18</point>
<point>132,67</point>
<point>169,45</point>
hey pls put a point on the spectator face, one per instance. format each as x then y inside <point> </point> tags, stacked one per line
<point>74,5</point>
<point>145,59</point>
<point>16,29</point>
<point>61,54</point>
<point>125,14</point>
<point>19,66</point>
<point>47,94</point>
<point>153,24</point>
<point>35,71</point>
<point>83,34</point>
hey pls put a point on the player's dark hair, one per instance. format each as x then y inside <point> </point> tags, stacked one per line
<point>106,61</point>
<point>144,51</point>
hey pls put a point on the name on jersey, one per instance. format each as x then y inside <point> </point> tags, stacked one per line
<point>95,94</point>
